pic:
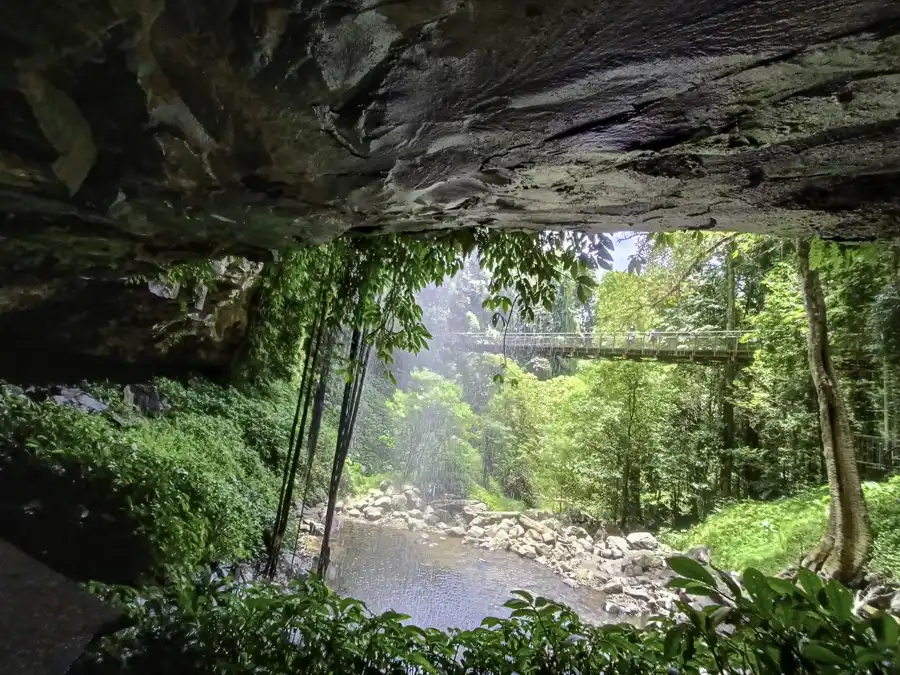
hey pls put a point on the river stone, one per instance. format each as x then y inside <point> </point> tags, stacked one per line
<point>415,524</point>
<point>542,550</point>
<point>618,543</point>
<point>409,487</point>
<point>442,526</point>
<point>702,554</point>
<point>415,513</point>
<point>354,513</point>
<point>553,524</point>
<point>478,522</point>
<point>571,583</point>
<point>469,513</point>
<point>612,588</point>
<point>534,535</point>
<point>417,503</point>
<point>443,515</point>
<point>372,513</point>
<point>507,524</point>
<point>339,507</point>
<point>384,485</point>
<point>516,531</point>
<point>643,541</point>
<point>429,510</point>
<point>431,520</point>
<point>576,531</point>
<point>398,502</point>
<point>527,551</point>
<point>456,531</point>
<point>549,537</point>
<point>502,538</point>
<point>383,502</point>
<point>477,532</point>
<point>491,531</point>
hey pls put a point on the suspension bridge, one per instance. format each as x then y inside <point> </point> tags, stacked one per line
<point>876,458</point>
<point>697,346</point>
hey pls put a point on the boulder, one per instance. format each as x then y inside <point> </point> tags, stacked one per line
<point>428,510</point>
<point>576,531</point>
<point>415,513</point>
<point>502,538</point>
<point>527,551</point>
<point>534,535</point>
<point>618,543</point>
<point>383,503</point>
<point>476,531</point>
<point>491,531</point>
<point>516,531</point>
<point>469,513</point>
<point>637,593</point>
<point>549,537</point>
<point>384,485</point>
<point>612,588</point>
<point>456,531</point>
<point>415,525</point>
<point>373,513</point>
<point>398,502</point>
<point>417,503</point>
<point>571,583</point>
<point>643,541</point>
<point>530,524</point>
<point>542,549</point>
<point>443,515</point>
<point>354,513</point>
<point>507,524</point>
<point>431,520</point>
<point>702,554</point>
<point>339,507</point>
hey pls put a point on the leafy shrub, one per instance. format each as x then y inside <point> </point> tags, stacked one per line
<point>773,535</point>
<point>122,505</point>
<point>774,626</point>
<point>494,498</point>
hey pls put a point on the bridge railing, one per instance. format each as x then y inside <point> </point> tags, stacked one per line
<point>651,343</point>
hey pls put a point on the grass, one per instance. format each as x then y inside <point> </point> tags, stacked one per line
<point>494,498</point>
<point>773,535</point>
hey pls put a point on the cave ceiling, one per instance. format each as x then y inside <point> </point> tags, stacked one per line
<point>136,133</point>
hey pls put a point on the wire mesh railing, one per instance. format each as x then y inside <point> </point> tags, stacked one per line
<point>686,344</point>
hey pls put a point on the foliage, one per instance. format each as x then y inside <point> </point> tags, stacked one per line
<point>492,496</point>
<point>774,535</point>
<point>214,627</point>
<point>433,431</point>
<point>155,495</point>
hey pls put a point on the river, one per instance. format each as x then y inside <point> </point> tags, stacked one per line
<point>441,583</point>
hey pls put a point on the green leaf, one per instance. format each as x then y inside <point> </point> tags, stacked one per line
<point>690,569</point>
<point>840,601</point>
<point>674,639</point>
<point>818,652</point>
<point>420,660</point>
<point>810,582</point>
<point>885,628</point>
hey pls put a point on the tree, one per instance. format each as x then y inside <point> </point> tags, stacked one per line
<point>844,545</point>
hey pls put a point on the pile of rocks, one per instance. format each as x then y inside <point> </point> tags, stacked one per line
<point>630,570</point>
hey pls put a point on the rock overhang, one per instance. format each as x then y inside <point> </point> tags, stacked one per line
<point>138,133</point>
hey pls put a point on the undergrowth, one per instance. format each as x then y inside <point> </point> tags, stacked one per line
<point>214,627</point>
<point>159,495</point>
<point>774,535</point>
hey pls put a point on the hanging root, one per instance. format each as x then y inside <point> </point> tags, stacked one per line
<point>815,560</point>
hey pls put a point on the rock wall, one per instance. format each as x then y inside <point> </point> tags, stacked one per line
<point>135,134</point>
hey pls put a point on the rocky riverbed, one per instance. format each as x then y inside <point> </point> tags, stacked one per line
<point>629,570</point>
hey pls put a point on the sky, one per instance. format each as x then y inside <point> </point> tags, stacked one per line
<point>621,252</point>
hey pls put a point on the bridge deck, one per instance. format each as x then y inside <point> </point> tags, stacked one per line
<point>706,346</point>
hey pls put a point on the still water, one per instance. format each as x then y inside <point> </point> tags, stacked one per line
<point>448,585</point>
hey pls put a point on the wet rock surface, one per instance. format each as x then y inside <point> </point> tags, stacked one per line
<point>132,138</point>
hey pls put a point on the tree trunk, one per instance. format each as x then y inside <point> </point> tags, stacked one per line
<point>843,548</point>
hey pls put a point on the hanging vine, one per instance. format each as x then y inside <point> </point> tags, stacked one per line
<point>358,296</point>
